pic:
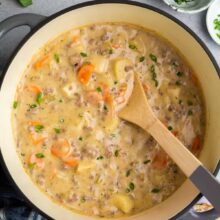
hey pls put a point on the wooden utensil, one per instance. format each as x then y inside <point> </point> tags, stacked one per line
<point>138,111</point>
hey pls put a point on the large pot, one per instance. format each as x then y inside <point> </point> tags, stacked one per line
<point>93,12</point>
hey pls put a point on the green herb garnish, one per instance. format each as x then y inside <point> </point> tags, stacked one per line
<point>154,75</point>
<point>115,82</point>
<point>170,128</point>
<point>80,139</point>
<point>146,161</point>
<point>33,106</point>
<point>153,57</point>
<point>38,128</point>
<point>131,186</point>
<point>105,108</point>
<point>190,112</point>
<point>56,58</point>
<point>39,98</point>
<point>110,51</point>
<point>39,155</point>
<point>99,89</point>
<point>155,190</point>
<point>179,74</point>
<point>190,103</point>
<point>178,83</point>
<point>57,130</point>
<point>179,2</point>
<point>141,59</point>
<point>31,166</point>
<point>117,153</point>
<point>15,104</point>
<point>100,158</point>
<point>128,173</point>
<point>25,3</point>
<point>82,54</point>
<point>61,120</point>
<point>132,46</point>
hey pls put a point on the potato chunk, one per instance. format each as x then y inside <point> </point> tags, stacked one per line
<point>100,63</point>
<point>123,202</point>
<point>119,68</point>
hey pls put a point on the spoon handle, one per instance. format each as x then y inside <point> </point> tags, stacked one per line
<point>189,164</point>
<point>208,185</point>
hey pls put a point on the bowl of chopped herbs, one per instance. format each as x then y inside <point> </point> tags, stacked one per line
<point>213,21</point>
<point>189,6</point>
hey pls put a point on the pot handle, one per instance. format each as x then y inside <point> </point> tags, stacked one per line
<point>12,22</point>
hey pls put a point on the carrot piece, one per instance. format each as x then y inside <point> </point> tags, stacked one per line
<point>75,39</point>
<point>160,160</point>
<point>41,62</point>
<point>116,46</point>
<point>34,123</point>
<point>196,144</point>
<point>85,73</point>
<point>94,97</point>
<point>175,133</point>
<point>35,89</point>
<point>71,162</point>
<point>61,148</point>
<point>37,140</point>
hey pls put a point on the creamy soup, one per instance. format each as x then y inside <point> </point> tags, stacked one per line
<point>69,138</point>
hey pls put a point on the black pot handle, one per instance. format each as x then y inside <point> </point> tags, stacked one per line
<point>12,22</point>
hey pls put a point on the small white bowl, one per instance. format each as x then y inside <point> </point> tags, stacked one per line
<point>212,14</point>
<point>190,7</point>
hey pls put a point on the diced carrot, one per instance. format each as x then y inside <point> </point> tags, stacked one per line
<point>116,46</point>
<point>175,133</point>
<point>61,148</point>
<point>94,97</point>
<point>196,144</point>
<point>35,89</point>
<point>85,73</point>
<point>41,62</point>
<point>34,123</point>
<point>75,39</point>
<point>160,160</point>
<point>106,94</point>
<point>38,140</point>
<point>71,162</point>
<point>38,161</point>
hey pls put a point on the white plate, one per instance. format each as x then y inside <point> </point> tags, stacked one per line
<point>212,14</point>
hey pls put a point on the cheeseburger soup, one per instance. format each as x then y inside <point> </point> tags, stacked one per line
<point>69,138</point>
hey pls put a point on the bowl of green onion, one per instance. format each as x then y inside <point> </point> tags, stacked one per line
<point>189,6</point>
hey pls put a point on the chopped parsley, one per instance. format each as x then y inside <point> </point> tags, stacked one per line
<point>142,58</point>
<point>131,186</point>
<point>132,46</point>
<point>61,120</point>
<point>105,108</point>
<point>110,51</point>
<point>154,75</point>
<point>170,128</point>
<point>57,130</point>
<point>128,173</point>
<point>33,106</point>
<point>39,98</point>
<point>31,166</point>
<point>56,58</point>
<point>115,82</point>
<point>15,104</point>
<point>153,57</point>
<point>39,155</point>
<point>80,115</point>
<point>178,83</point>
<point>38,128</point>
<point>117,153</point>
<point>190,112</point>
<point>82,54</point>
<point>155,190</point>
<point>82,199</point>
<point>179,74</point>
<point>80,138</point>
<point>217,26</point>
<point>100,158</point>
<point>190,103</point>
<point>179,2</point>
<point>99,89</point>
<point>146,161</point>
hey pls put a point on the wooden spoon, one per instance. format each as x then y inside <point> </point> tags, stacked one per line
<point>138,111</point>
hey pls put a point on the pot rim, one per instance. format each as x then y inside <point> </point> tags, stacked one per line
<point>72,8</point>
